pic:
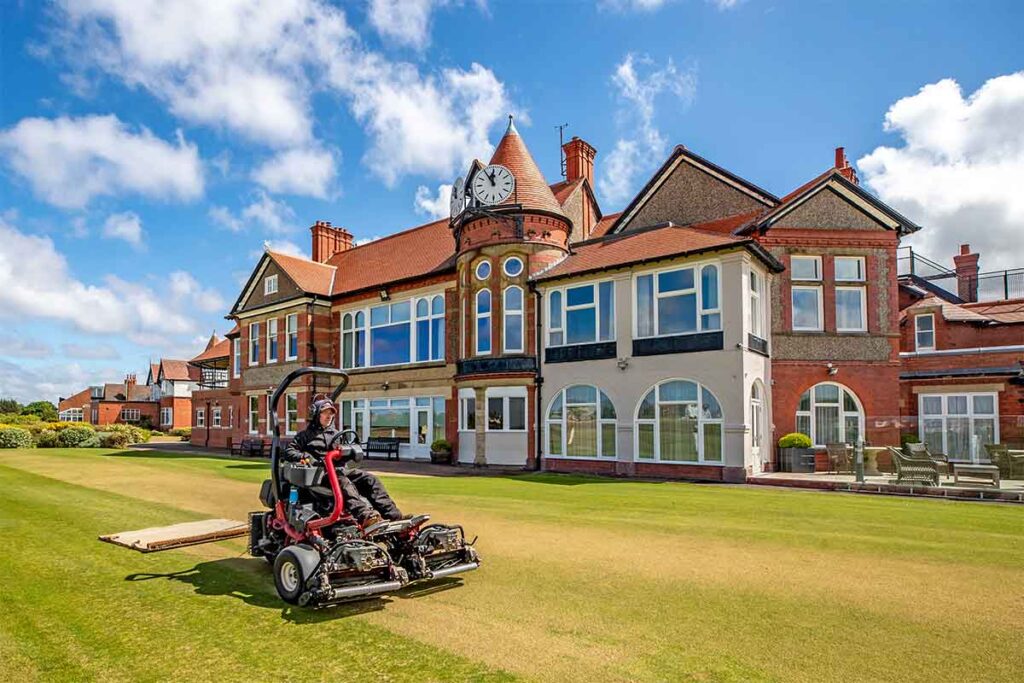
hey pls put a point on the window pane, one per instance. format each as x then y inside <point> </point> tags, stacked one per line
<point>555,411</point>
<point>581,435</point>
<point>805,309</point>
<point>579,325</point>
<point>423,339</point>
<point>607,409</point>
<point>392,421</point>
<point>924,323</point>
<point>849,309</point>
<point>645,306</point>
<point>483,334</point>
<point>984,433</point>
<point>805,401</point>
<point>958,438</point>
<point>437,305</point>
<point>579,296</point>
<point>646,411</point>
<point>711,322</point>
<point>677,314</point>
<point>390,344</point>
<point>607,316</point>
<point>675,280</point>
<point>804,268</point>
<point>933,435</point>
<point>514,331</point>
<point>678,432</point>
<point>826,393</point>
<point>346,349</point>
<point>495,413</point>
<point>852,429</point>
<point>803,425</point>
<point>931,405</point>
<point>483,301</point>
<point>555,310</point>
<point>516,412</point>
<point>575,395</point>
<point>555,438</point>
<point>422,308</point>
<point>849,404</point>
<point>439,427</point>
<point>848,268</point>
<point>713,442</point>
<point>608,439</point>
<point>984,405</point>
<point>513,299</point>
<point>470,413</point>
<point>678,391</point>
<point>557,339</point>
<point>379,315</point>
<point>709,406</point>
<point>709,287</point>
<point>956,405</point>
<point>826,425</point>
<point>437,325</point>
<point>645,441</point>
<point>400,311</point>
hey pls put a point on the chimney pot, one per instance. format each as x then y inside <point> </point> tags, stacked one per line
<point>579,160</point>
<point>329,240</point>
<point>965,249</point>
<point>966,265</point>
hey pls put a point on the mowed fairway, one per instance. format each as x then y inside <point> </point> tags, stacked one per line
<point>584,579</point>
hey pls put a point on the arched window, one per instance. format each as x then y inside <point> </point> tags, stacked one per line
<point>581,423</point>
<point>430,328</point>
<point>512,310</point>
<point>353,340</point>
<point>756,414</point>
<point>830,413</point>
<point>679,421</point>
<point>483,322</point>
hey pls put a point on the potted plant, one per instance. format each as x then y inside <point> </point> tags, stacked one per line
<point>795,453</point>
<point>441,452</point>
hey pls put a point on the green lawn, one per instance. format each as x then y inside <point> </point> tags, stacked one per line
<point>584,579</point>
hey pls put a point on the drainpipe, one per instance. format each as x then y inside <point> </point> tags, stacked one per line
<point>538,381</point>
<point>311,344</point>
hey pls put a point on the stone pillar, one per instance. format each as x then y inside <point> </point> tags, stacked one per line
<point>480,459</point>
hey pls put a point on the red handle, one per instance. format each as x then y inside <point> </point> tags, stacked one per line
<point>339,501</point>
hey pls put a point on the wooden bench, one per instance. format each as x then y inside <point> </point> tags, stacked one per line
<point>248,447</point>
<point>914,469</point>
<point>388,445</point>
<point>990,472</point>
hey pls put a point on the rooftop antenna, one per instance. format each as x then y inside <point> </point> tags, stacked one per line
<point>561,142</point>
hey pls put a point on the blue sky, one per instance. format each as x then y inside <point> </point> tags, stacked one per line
<point>147,149</point>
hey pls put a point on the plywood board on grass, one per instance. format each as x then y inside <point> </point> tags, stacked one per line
<point>178,535</point>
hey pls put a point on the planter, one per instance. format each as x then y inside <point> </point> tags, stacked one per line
<point>441,457</point>
<point>796,459</point>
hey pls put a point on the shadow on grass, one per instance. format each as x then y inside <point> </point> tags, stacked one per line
<point>247,463</point>
<point>557,479</point>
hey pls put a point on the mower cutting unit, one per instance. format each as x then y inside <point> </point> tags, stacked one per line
<point>320,554</point>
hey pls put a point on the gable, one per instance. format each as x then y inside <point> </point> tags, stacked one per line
<point>691,194</point>
<point>253,297</point>
<point>829,210</point>
<point>581,208</point>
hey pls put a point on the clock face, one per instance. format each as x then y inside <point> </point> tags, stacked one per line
<point>458,200</point>
<point>493,184</point>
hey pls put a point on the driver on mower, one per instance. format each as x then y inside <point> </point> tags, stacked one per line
<point>365,497</point>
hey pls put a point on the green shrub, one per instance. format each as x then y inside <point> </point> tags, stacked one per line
<point>441,445</point>
<point>47,438</point>
<point>15,437</point>
<point>20,420</point>
<point>92,442</point>
<point>133,433</point>
<point>908,438</point>
<point>75,437</point>
<point>795,440</point>
<point>113,439</point>
<point>185,433</point>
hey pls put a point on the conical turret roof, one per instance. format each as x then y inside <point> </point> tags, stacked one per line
<point>532,190</point>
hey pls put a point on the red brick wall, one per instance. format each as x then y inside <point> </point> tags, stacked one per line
<point>960,335</point>
<point>83,400</point>
<point>1010,401</point>
<point>109,412</point>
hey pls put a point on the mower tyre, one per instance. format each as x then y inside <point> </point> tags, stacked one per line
<point>292,568</point>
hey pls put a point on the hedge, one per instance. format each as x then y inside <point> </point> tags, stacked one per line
<point>15,437</point>
<point>76,437</point>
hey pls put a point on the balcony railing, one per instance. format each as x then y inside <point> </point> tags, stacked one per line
<point>213,379</point>
<point>998,285</point>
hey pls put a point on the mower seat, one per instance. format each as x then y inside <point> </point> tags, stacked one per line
<point>266,494</point>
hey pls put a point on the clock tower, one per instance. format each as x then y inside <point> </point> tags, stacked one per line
<point>507,226</point>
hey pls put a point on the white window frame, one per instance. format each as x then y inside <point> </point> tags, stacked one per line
<point>270,421</point>
<point>272,351</point>
<point>504,266</point>
<point>291,331</point>
<point>270,285</point>
<point>656,422</point>
<point>504,394</point>
<point>804,257</point>
<point>756,313</point>
<point>862,267</point>
<point>364,360</point>
<point>507,319</point>
<point>477,317</point>
<point>563,423</point>
<point>465,397</point>
<point>811,412</point>
<point>131,414</point>
<point>862,291</point>
<point>166,416</point>
<point>757,414</point>
<point>478,266</point>
<point>656,294</point>
<point>71,415</point>
<point>200,417</point>
<point>236,362</point>
<point>821,308</point>
<point>215,417</point>
<point>254,344</point>
<point>433,345</point>
<point>918,346</point>
<point>560,326</point>
<point>254,424</point>
<point>291,423</point>
<point>970,415</point>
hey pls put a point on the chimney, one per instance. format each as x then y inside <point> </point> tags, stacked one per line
<point>329,240</point>
<point>579,160</point>
<point>966,273</point>
<point>129,380</point>
<point>843,166</point>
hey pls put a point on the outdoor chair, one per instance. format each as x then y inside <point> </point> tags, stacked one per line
<point>914,468</point>
<point>920,450</point>
<point>840,457</point>
<point>1001,457</point>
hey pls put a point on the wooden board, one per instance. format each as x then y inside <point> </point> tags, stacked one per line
<point>178,535</point>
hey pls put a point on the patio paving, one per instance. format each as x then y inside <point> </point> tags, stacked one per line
<point>1010,490</point>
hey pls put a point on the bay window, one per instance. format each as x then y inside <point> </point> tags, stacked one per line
<point>410,331</point>
<point>291,331</point>
<point>581,423</point>
<point>272,340</point>
<point>678,301</point>
<point>467,410</point>
<point>924,332</point>
<point>506,409</point>
<point>587,316</point>
<point>483,322</point>
<point>512,316</point>
<point>959,425</point>
<point>416,421</point>
<point>390,334</point>
<point>830,413</point>
<point>430,328</point>
<point>679,421</point>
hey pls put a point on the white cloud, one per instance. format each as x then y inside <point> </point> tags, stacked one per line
<point>50,381</point>
<point>433,205</point>
<point>36,283</point>
<point>273,215</point>
<point>406,22</point>
<point>16,345</point>
<point>959,170</point>
<point>253,65</point>
<point>224,218</point>
<point>69,161</point>
<point>298,171</point>
<point>638,85</point>
<point>281,247</point>
<point>125,226</point>
<point>93,351</point>
<point>184,287</point>
<point>654,5</point>
<point>360,241</point>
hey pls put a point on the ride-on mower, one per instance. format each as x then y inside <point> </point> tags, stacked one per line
<point>319,553</point>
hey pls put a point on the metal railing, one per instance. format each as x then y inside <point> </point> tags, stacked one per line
<point>997,285</point>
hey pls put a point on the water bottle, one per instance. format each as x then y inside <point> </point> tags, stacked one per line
<point>293,495</point>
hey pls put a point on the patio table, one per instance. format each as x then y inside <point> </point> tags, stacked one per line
<point>990,472</point>
<point>871,460</point>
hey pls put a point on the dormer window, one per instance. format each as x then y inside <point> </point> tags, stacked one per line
<point>924,332</point>
<point>270,285</point>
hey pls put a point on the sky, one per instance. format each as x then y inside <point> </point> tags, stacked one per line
<point>149,150</point>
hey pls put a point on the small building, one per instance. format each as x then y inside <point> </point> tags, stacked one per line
<point>124,403</point>
<point>76,408</point>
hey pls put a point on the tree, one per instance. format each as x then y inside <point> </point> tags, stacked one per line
<point>45,410</point>
<point>9,405</point>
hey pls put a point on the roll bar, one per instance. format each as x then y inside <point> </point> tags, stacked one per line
<point>289,379</point>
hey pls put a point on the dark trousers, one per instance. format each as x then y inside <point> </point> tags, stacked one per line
<point>365,494</point>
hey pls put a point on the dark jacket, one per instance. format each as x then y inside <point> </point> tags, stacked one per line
<point>311,441</point>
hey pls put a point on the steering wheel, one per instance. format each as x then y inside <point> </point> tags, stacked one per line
<point>348,437</point>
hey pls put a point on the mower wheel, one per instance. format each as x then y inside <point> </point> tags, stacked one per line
<point>289,575</point>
